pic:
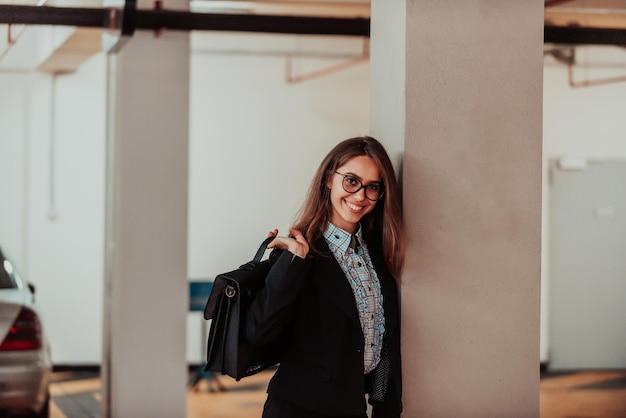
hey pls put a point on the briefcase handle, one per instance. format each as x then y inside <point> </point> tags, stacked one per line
<point>262,248</point>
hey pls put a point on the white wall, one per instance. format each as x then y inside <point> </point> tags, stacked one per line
<point>255,142</point>
<point>13,166</point>
<point>52,216</point>
<point>580,122</point>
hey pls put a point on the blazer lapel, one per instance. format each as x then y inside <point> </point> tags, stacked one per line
<point>334,283</point>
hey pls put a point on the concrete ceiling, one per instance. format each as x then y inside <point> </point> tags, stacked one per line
<point>586,13</point>
<point>582,13</point>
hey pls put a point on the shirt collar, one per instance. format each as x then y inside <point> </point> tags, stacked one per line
<point>339,239</point>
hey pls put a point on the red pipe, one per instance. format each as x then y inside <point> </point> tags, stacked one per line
<point>551,3</point>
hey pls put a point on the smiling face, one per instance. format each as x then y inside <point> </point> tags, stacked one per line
<point>349,208</point>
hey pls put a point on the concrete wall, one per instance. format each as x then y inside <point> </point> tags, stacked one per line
<point>472,203</point>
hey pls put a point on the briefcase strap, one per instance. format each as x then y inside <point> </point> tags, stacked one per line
<point>262,248</point>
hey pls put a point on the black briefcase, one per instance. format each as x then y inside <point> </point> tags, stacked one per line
<point>227,350</point>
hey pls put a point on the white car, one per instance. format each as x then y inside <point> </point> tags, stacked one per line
<point>25,364</point>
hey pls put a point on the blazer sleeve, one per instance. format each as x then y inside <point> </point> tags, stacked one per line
<point>392,406</point>
<point>270,310</point>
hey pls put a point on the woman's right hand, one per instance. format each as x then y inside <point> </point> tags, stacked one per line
<point>295,243</point>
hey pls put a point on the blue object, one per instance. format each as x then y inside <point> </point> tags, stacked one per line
<point>198,295</point>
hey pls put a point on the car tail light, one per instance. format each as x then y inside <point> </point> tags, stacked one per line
<point>24,334</point>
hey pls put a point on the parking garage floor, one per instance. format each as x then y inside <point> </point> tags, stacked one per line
<point>588,394</point>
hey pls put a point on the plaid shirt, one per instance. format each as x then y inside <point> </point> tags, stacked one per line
<point>359,270</point>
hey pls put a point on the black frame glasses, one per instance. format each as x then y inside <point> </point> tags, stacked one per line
<point>350,182</point>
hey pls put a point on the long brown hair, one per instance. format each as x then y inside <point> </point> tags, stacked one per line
<point>383,224</point>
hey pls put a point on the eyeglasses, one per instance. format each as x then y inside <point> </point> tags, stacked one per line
<point>351,184</point>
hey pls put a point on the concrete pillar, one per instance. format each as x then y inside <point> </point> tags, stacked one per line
<point>146,289</point>
<point>459,85</point>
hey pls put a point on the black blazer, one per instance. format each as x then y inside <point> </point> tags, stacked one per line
<point>309,303</point>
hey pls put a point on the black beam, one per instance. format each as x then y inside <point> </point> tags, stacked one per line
<point>33,15</point>
<point>154,19</point>
<point>181,20</point>
<point>575,35</point>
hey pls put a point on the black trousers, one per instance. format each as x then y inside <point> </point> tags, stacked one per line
<point>278,408</point>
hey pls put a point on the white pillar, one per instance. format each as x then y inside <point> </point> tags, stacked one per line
<point>460,83</point>
<point>146,294</point>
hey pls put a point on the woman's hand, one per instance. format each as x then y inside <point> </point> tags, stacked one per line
<point>295,243</point>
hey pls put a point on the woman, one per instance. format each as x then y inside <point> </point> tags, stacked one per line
<point>331,294</point>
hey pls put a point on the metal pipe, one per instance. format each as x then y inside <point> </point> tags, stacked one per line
<point>589,83</point>
<point>129,18</point>
<point>552,3</point>
<point>52,206</point>
<point>291,79</point>
<point>11,39</point>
